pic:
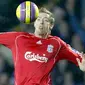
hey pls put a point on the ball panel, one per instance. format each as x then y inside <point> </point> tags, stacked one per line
<point>27,19</point>
<point>23,11</point>
<point>18,12</point>
<point>37,11</point>
<point>32,12</point>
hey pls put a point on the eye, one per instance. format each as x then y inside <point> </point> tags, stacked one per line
<point>46,20</point>
<point>38,19</point>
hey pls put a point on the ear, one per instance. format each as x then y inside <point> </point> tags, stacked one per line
<point>51,26</point>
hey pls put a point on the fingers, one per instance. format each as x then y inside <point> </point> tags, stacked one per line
<point>83,55</point>
<point>78,61</point>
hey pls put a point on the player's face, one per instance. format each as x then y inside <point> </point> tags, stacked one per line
<point>42,24</point>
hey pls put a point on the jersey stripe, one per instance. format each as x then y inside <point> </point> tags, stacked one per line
<point>58,49</point>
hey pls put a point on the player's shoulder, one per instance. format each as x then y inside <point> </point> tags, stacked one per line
<point>61,41</point>
<point>16,33</point>
<point>11,32</point>
<point>55,37</point>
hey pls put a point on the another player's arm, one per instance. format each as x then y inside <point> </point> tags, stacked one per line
<point>71,54</point>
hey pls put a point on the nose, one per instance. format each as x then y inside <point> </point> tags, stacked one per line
<point>41,21</point>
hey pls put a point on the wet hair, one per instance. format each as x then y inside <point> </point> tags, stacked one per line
<point>44,10</point>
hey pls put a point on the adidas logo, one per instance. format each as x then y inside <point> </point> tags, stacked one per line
<point>39,42</point>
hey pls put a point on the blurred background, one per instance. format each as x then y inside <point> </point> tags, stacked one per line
<point>69,26</point>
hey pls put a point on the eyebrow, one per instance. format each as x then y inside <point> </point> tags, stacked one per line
<point>44,17</point>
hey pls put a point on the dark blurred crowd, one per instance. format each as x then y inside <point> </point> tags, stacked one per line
<point>69,25</point>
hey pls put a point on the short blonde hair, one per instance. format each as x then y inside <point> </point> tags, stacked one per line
<point>44,10</point>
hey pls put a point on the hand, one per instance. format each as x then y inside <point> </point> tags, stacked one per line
<point>82,63</point>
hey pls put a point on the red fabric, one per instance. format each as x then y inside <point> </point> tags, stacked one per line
<point>35,57</point>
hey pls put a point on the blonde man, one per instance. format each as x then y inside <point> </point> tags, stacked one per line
<point>35,54</point>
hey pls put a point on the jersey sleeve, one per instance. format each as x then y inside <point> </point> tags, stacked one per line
<point>67,52</point>
<point>7,38</point>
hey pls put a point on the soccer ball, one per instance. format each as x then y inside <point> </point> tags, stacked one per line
<point>27,12</point>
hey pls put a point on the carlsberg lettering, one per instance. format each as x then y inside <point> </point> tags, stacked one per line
<point>35,57</point>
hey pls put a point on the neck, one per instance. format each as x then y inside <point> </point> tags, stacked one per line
<point>44,36</point>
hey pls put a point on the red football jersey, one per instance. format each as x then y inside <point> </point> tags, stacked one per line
<point>35,57</point>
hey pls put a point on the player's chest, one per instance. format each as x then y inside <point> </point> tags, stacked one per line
<point>38,48</point>
<point>44,45</point>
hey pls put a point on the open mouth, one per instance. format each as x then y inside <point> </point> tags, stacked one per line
<point>41,27</point>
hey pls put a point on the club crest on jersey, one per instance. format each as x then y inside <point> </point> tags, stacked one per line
<point>50,48</point>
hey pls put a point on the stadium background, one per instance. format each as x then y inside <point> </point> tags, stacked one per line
<point>69,25</point>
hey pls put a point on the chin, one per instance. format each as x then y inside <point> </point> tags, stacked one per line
<point>41,32</point>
